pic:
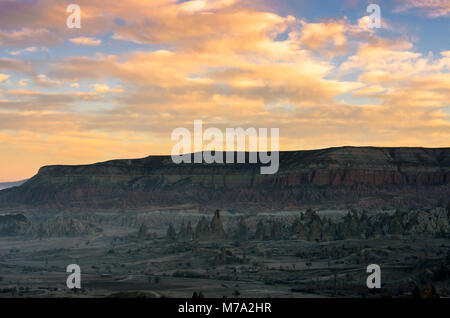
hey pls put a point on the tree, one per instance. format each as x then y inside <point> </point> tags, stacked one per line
<point>41,231</point>
<point>260,230</point>
<point>171,234</point>
<point>242,229</point>
<point>199,295</point>
<point>429,292</point>
<point>142,233</point>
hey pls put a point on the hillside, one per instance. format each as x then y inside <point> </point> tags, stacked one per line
<point>335,177</point>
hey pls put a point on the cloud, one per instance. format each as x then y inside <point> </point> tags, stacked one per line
<point>432,8</point>
<point>103,88</point>
<point>323,35</point>
<point>26,36</point>
<point>3,77</point>
<point>83,40</point>
<point>27,50</point>
<point>195,6</point>
<point>44,81</point>
<point>16,65</point>
<point>35,100</point>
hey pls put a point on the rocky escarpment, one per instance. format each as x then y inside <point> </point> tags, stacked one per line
<point>62,227</point>
<point>345,176</point>
<point>13,224</point>
<point>18,224</point>
<point>309,226</point>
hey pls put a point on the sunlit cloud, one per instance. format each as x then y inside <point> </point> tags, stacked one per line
<point>83,40</point>
<point>3,77</point>
<point>27,50</point>
<point>103,88</point>
<point>433,8</point>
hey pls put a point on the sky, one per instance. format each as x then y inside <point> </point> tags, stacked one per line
<point>137,69</point>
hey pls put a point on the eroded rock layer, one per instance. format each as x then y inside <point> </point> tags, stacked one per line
<point>366,176</point>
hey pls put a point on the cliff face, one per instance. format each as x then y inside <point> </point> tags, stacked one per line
<point>397,177</point>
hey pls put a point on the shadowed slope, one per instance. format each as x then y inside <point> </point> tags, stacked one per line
<point>365,176</point>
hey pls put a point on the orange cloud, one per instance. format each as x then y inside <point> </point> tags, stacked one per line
<point>3,77</point>
<point>103,88</point>
<point>84,40</point>
<point>433,8</point>
<point>320,35</point>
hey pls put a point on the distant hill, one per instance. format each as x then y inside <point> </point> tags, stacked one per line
<point>367,177</point>
<point>5,185</point>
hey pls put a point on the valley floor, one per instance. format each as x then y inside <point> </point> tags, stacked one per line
<point>115,261</point>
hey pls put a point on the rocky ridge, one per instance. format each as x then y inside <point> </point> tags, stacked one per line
<point>18,224</point>
<point>309,226</point>
<point>345,176</point>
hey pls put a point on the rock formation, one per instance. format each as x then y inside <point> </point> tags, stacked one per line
<point>309,226</point>
<point>260,231</point>
<point>15,224</point>
<point>63,227</point>
<point>171,234</point>
<point>216,226</point>
<point>202,229</point>
<point>415,222</point>
<point>142,232</point>
<point>185,232</point>
<point>189,231</point>
<point>242,231</point>
<point>276,231</point>
<point>364,177</point>
<point>299,230</point>
<point>18,224</point>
